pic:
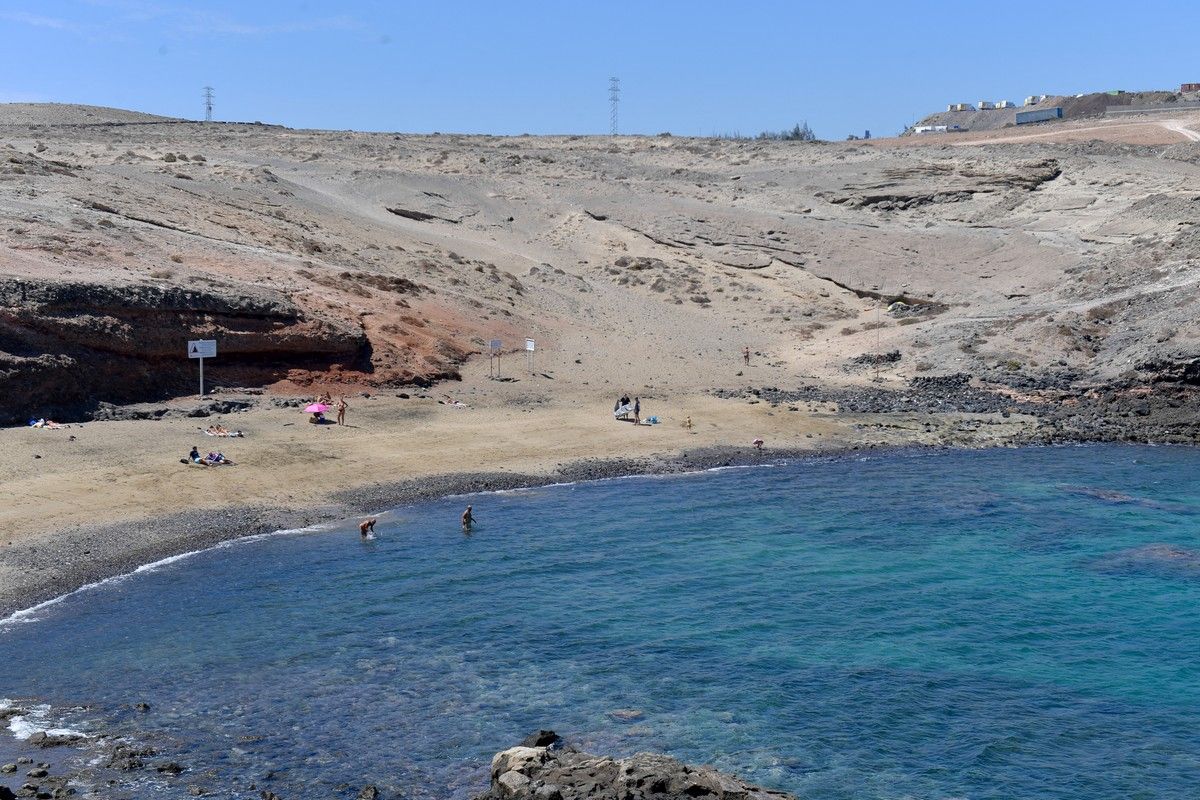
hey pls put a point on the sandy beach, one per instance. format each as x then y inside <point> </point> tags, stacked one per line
<point>116,495</point>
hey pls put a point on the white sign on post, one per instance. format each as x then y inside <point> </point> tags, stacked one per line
<point>529,354</point>
<point>529,345</point>
<point>202,349</point>
<point>495,346</point>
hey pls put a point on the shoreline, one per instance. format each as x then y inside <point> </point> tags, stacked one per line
<point>246,521</point>
<point>192,531</point>
<point>106,497</point>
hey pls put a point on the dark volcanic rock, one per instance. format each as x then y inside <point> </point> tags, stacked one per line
<point>869,359</point>
<point>65,346</point>
<point>42,739</point>
<point>127,758</point>
<point>1167,412</point>
<point>526,773</point>
<point>1183,370</point>
<point>541,738</point>
<point>941,383</point>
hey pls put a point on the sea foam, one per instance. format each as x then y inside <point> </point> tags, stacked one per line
<point>36,720</point>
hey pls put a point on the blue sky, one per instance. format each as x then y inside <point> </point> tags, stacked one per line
<point>509,67</point>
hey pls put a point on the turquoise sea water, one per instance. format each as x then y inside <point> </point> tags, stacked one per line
<point>1004,624</point>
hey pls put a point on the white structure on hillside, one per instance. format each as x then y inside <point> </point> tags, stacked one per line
<point>984,105</point>
<point>1005,104</point>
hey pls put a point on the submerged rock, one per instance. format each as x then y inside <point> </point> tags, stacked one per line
<point>526,773</point>
<point>1160,558</point>
<point>627,714</point>
<point>127,758</point>
<point>43,739</point>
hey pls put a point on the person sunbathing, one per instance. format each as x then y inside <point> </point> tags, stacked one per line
<point>221,430</point>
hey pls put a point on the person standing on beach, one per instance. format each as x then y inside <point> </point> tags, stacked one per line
<point>366,528</point>
<point>468,519</point>
<point>341,409</point>
<point>637,411</point>
<point>746,355</point>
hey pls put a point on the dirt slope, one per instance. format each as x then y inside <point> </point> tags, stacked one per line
<point>374,260</point>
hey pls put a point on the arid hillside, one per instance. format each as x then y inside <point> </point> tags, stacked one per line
<point>379,260</point>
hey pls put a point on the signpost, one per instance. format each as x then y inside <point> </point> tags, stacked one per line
<point>202,349</point>
<point>529,348</point>
<point>494,347</point>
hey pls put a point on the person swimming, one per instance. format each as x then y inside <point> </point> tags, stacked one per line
<point>366,528</point>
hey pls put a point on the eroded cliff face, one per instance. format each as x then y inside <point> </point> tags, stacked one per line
<point>65,346</point>
<point>351,260</point>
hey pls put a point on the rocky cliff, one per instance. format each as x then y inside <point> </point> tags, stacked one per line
<point>67,345</point>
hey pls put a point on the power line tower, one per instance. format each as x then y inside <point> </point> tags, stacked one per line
<point>208,100</point>
<point>614,98</point>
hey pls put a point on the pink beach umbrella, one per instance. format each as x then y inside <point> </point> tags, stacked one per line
<point>316,408</point>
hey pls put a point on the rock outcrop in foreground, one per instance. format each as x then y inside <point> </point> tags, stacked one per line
<point>542,768</point>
